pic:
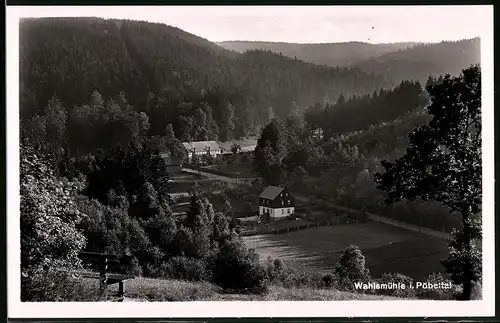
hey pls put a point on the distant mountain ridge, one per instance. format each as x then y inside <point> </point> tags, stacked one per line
<point>396,62</point>
<point>330,54</point>
<point>424,60</point>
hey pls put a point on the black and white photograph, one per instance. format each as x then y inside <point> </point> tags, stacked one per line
<point>250,161</point>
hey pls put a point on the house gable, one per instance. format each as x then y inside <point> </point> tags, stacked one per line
<point>276,197</point>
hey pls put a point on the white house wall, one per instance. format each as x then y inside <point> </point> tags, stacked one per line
<point>278,212</point>
<point>282,212</point>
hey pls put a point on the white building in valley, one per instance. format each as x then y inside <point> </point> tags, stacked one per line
<point>200,148</point>
<point>277,202</point>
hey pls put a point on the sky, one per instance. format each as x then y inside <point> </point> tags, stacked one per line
<point>306,24</point>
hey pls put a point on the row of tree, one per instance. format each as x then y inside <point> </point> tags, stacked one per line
<point>360,112</point>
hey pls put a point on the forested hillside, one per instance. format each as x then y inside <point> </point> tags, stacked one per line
<point>423,60</point>
<point>396,62</point>
<point>330,54</point>
<point>172,77</point>
<point>360,112</point>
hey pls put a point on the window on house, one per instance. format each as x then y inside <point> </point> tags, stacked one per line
<point>288,211</point>
<point>282,211</point>
<point>282,202</point>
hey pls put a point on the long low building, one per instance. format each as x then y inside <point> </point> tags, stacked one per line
<point>215,148</point>
<point>200,148</point>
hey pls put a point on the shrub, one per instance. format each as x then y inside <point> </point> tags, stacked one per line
<point>351,268</point>
<point>328,280</point>
<point>185,268</point>
<point>54,286</point>
<point>464,256</point>
<point>477,291</point>
<point>130,265</point>
<point>48,215</point>
<point>437,294</point>
<point>396,278</point>
<point>238,268</point>
<point>275,270</point>
<point>295,276</point>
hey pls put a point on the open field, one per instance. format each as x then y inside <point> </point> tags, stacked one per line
<point>166,290</point>
<point>183,176</point>
<point>233,169</point>
<point>386,248</point>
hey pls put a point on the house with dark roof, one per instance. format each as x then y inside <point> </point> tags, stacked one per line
<point>174,164</point>
<point>276,202</point>
<point>200,148</point>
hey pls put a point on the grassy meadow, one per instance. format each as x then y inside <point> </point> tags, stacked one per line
<point>386,248</point>
<point>229,168</point>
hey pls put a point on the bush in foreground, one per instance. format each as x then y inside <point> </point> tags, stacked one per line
<point>185,268</point>
<point>275,269</point>
<point>477,291</point>
<point>440,293</point>
<point>396,278</point>
<point>237,268</point>
<point>328,280</point>
<point>292,275</point>
<point>351,268</point>
<point>55,286</point>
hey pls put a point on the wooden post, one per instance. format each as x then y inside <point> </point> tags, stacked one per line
<point>103,279</point>
<point>120,289</point>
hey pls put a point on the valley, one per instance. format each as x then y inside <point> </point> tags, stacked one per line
<point>245,170</point>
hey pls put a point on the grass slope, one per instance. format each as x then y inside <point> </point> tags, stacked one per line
<point>165,290</point>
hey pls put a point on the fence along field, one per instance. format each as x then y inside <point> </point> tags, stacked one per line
<point>386,248</point>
